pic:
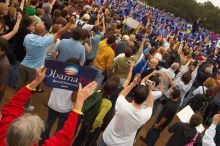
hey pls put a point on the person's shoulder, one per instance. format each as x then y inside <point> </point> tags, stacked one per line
<point>182,125</point>
<point>148,109</point>
<point>201,87</point>
<point>121,99</point>
<point>47,38</point>
<point>67,40</point>
<point>81,46</point>
<point>123,58</point>
<point>29,36</point>
<point>98,36</point>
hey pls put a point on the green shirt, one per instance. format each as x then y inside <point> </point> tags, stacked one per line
<point>29,11</point>
<point>121,67</point>
<point>103,110</point>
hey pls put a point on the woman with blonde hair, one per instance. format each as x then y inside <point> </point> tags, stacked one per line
<point>3,10</point>
<point>209,83</point>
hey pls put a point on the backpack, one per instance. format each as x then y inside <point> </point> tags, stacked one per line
<point>91,107</point>
<point>80,25</point>
<point>193,140</point>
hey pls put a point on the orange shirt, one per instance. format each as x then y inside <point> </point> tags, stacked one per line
<point>105,56</point>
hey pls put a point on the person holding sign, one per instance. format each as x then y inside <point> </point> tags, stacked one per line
<point>36,49</point>
<point>26,129</point>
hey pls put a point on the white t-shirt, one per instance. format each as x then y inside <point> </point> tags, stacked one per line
<point>170,73</point>
<point>127,120</point>
<point>119,56</point>
<point>85,26</point>
<point>199,90</point>
<point>60,100</point>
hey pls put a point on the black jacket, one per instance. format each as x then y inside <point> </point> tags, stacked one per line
<point>183,133</point>
<point>201,103</point>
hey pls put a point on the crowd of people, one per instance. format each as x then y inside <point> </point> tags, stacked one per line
<point>162,66</point>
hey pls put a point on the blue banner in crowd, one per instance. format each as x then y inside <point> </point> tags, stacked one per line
<point>67,76</point>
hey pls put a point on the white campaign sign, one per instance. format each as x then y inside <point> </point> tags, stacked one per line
<point>218,44</point>
<point>132,23</point>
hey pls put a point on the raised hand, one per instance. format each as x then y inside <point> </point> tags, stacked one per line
<point>83,94</point>
<point>161,77</point>
<point>216,119</point>
<point>155,72</point>
<point>152,86</point>
<point>144,40</point>
<point>137,79</point>
<point>40,74</point>
<point>19,16</point>
<point>132,64</point>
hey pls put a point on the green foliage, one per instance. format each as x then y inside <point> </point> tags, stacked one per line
<point>191,11</point>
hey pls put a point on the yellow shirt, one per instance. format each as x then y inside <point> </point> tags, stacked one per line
<point>105,56</point>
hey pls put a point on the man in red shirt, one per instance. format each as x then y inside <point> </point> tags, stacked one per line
<point>25,130</point>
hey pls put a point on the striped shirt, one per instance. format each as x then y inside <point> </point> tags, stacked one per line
<point>69,49</point>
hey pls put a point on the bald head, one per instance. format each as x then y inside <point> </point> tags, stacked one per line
<point>40,29</point>
<point>175,66</point>
<point>153,63</point>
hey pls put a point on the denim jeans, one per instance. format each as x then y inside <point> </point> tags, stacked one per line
<point>14,75</point>
<point>101,141</point>
<point>99,77</point>
<point>51,118</point>
<point>153,135</point>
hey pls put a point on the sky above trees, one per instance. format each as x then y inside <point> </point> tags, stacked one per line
<point>215,2</point>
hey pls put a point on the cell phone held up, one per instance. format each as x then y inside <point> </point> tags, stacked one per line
<point>149,82</point>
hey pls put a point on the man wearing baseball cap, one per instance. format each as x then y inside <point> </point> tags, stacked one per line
<point>83,22</point>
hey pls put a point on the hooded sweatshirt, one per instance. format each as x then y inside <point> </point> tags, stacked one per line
<point>183,134</point>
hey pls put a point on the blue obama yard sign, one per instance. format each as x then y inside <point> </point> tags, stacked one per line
<point>67,76</point>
